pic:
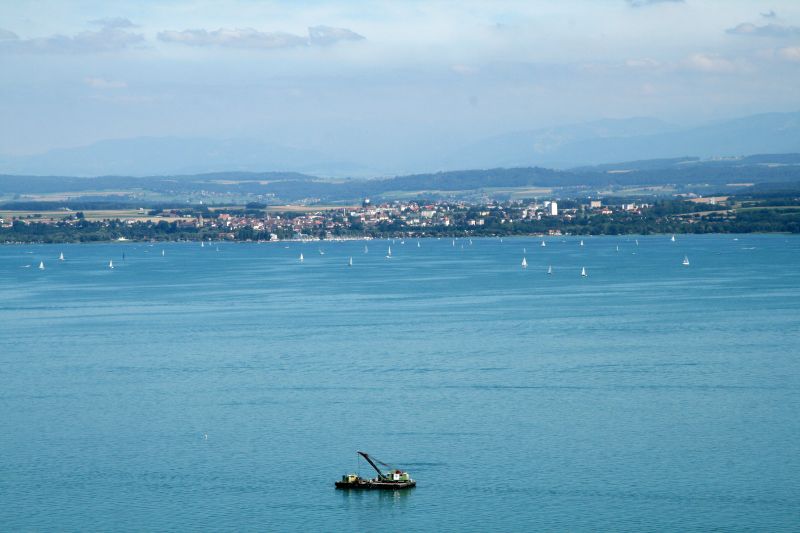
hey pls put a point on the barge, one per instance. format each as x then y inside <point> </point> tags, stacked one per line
<point>394,479</point>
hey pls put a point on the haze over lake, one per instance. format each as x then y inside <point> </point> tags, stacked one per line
<point>227,387</point>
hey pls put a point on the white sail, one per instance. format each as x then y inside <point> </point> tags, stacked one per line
<point>350,262</point>
<point>686,260</point>
<point>583,272</point>
<point>202,244</point>
<point>389,252</point>
<point>524,263</point>
<point>618,247</point>
<point>524,250</point>
<point>581,242</point>
<point>61,256</point>
<point>543,243</point>
<point>550,269</point>
<point>111,264</point>
<point>163,253</point>
<point>672,238</point>
<point>637,242</point>
<point>41,265</point>
<point>470,242</point>
<point>301,257</point>
<point>366,250</point>
<point>454,242</point>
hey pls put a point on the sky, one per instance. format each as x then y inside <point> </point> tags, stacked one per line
<point>384,78</point>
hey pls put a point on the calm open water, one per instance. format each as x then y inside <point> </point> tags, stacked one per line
<point>646,396</point>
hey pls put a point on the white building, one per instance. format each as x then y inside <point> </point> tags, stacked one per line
<point>553,208</point>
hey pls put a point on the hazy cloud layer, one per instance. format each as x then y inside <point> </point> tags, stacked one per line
<point>102,83</point>
<point>767,30</point>
<point>255,39</point>
<point>87,42</point>
<point>113,22</point>
<point>6,34</point>
<point>643,3</point>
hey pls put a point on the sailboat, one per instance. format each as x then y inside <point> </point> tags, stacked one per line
<point>366,250</point>
<point>470,242</point>
<point>618,247</point>
<point>418,245</point>
<point>389,253</point>
<point>550,269</point>
<point>301,257</point>
<point>637,242</point>
<point>583,272</point>
<point>321,252</point>
<point>61,256</point>
<point>454,242</point>
<point>111,265</point>
<point>524,250</point>
<point>581,242</point>
<point>543,244</point>
<point>162,253</point>
<point>202,244</point>
<point>350,262</point>
<point>41,265</point>
<point>672,238</point>
<point>524,263</point>
<point>685,260</point>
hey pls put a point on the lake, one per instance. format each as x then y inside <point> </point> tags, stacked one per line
<point>227,387</point>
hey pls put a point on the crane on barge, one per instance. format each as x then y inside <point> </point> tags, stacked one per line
<point>394,479</point>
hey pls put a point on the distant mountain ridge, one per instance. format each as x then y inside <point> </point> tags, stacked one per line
<point>563,147</point>
<point>634,139</point>
<point>148,156</point>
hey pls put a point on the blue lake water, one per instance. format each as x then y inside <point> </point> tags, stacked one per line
<point>227,389</point>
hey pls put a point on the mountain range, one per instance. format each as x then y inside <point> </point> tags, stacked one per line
<point>563,147</point>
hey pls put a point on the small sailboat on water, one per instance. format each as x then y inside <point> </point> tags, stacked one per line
<point>685,260</point>
<point>202,244</point>
<point>544,244</point>
<point>321,252</point>
<point>524,263</point>
<point>163,253</point>
<point>41,265</point>
<point>366,250</point>
<point>389,253</point>
<point>301,257</point>
<point>418,245</point>
<point>111,265</point>
<point>583,272</point>
<point>618,247</point>
<point>550,269</point>
<point>454,242</point>
<point>350,262</point>
<point>581,242</point>
<point>61,256</point>
<point>672,238</point>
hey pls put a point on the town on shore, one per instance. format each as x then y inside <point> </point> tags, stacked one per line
<point>258,222</point>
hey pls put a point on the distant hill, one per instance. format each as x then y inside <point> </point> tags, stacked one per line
<point>632,139</point>
<point>147,156</point>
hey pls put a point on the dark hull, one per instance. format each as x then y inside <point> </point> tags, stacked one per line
<point>375,485</point>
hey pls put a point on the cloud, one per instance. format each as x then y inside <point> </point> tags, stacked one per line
<point>790,53</point>
<point>237,38</point>
<point>87,42</point>
<point>113,22</point>
<point>643,63</point>
<point>101,83</point>
<point>711,63</point>
<point>255,39</point>
<point>325,35</point>
<point>643,3</point>
<point>767,30</point>
<point>769,14</point>
<point>7,35</point>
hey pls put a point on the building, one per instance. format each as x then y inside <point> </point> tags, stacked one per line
<point>553,209</point>
<point>595,204</point>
